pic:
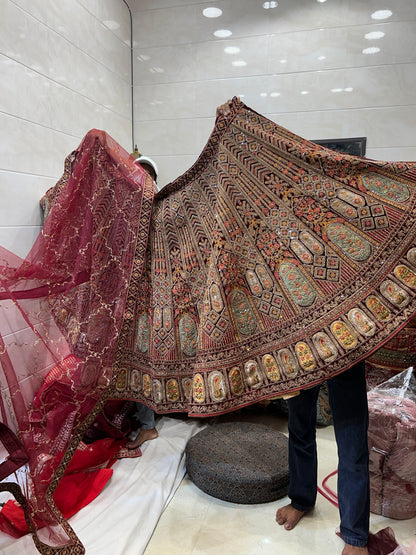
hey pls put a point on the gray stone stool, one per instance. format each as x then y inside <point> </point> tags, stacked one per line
<point>240,462</point>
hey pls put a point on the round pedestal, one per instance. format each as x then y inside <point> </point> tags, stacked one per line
<point>240,462</point>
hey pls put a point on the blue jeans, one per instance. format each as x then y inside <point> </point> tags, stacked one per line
<point>348,400</point>
<point>145,416</point>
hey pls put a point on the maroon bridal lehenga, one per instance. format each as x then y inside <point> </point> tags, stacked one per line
<point>269,266</point>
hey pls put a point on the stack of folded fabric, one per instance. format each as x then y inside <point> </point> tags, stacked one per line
<point>392,444</point>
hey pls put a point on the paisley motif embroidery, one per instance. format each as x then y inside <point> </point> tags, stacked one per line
<point>385,187</point>
<point>147,385</point>
<point>243,314</point>
<point>271,367</point>
<point>288,363</point>
<point>343,334</point>
<point>325,347</point>
<point>351,197</point>
<point>172,390</point>
<point>157,391</point>
<point>199,388</point>
<point>297,284</point>
<point>216,386</point>
<point>143,334</point>
<point>135,380</point>
<point>236,380</point>
<point>253,282</point>
<point>305,356</point>
<point>411,256</point>
<point>355,247</point>
<point>394,293</point>
<point>188,335</point>
<point>252,372</point>
<point>301,251</point>
<point>187,387</point>
<point>361,322</point>
<point>380,311</point>
<point>405,275</point>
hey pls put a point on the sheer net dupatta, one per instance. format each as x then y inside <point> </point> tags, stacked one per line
<point>62,311</point>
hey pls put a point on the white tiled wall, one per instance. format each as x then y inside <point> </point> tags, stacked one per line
<point>65,69</point>
<point>182,73</point>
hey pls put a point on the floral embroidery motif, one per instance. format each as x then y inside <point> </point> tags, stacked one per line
<point>253,282</point>
<point>264,277</point>
<point>301,251</point>
<point>216,386</point>
<point>188,335</point>
<point>121,380</point>
<point>355,247</point>
<point>325,347</point>
<point>385,187</point>
<point>343,334</point>
<point>236,381</point>
<point>394,293</point>
<point>135,380</point>
<point>361,322</point>
<point>305,356</point>
<point>143,333</point>
<point>343,208</point>
<point>313,244</point>
<point>216,300</point>
<point>147,385</point>
<point>172,390</point>
<point>187,388</point>
<point>297,284</point>
<point>351,197</point>
<point>405,275</point>
<point>270,365</point>
<point>243,314</point>
<point>380,311</point>
<point>199,388</point>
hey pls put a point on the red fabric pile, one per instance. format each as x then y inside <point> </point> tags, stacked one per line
<point>392,444</point>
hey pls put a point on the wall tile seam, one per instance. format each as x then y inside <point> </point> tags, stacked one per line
<point>289,112</point>
<point>126,117</point>
<point>76,46</point>
<point>105,26</point>
<point>278,74</point>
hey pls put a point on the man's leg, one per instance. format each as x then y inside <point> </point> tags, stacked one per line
<point>303,463</point>
<point>348,399</point>
<point>146,417</point>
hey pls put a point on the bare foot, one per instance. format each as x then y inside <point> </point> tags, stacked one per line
<point>142,436</point>
<point>289,516</point>
<point>354,550</point>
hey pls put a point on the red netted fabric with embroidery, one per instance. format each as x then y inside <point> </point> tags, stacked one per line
<point>62,311</point>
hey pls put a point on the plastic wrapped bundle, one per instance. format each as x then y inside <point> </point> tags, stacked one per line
<point>392,444</point>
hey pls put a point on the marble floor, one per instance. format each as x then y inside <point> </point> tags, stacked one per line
<point>195,523</point>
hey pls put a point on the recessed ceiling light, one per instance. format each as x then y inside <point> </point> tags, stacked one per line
<point>223,33</point>
<point>143,57</point>
<point>321,1</point>
<point>381,14</point>
<point>336,90</point>
<point>374,35</point>
<point>274,94</point>
<point>239,63</point>
<point>283,61</point>
<point>321,58</point>
<point>268,5</point>
<point>231,50</point>
<point>212,12</point>
<point>371,50</point>
<point>156,70</point>
<point>348,89</point>
<point>263,94</point>
<point>304,92</point>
